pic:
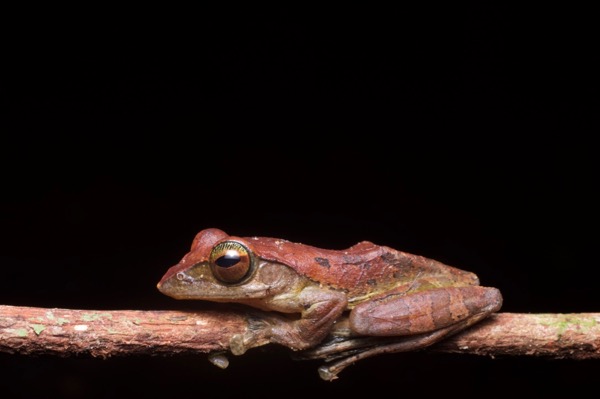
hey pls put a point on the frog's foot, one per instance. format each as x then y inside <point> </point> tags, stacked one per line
<point>240,343</point>
<point>362,349</point>
<point>339,347</point>
<point>258,332</point>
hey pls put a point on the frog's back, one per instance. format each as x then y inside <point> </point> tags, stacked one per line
<point>363,268</point>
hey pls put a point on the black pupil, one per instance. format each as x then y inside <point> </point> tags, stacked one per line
<point>228,260</point>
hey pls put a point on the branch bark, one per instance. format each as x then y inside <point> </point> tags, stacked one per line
<point>65,332</point>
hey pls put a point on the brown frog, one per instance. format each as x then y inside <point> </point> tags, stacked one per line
<point>399,300</point>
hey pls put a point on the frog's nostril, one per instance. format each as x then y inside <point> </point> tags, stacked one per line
<point>184,277</point>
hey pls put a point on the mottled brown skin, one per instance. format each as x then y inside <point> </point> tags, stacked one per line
<point>386,292</point>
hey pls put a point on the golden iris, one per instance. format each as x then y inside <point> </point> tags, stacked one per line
<point>230,262</point>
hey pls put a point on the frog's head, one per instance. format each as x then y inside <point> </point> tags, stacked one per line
<point>222,268</point>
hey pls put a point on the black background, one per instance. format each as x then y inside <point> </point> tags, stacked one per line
<point>462,134</point>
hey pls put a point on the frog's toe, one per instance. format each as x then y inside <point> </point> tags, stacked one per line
<point>237,346</point>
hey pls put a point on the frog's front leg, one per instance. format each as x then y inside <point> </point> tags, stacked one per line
<point>318,309</point>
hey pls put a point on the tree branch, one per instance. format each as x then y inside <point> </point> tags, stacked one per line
<point>552,335</point>
<point>65,332</point>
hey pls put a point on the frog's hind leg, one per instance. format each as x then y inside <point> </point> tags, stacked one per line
<point>340,355</point>
<point>399,314</point>
<point>401,323</point>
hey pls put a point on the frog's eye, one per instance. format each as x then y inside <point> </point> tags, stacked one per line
<point>230,262</point>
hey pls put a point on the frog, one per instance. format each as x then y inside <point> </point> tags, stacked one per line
<point>336,304</point>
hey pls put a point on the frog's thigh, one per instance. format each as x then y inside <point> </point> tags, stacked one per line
<point>420,312</point>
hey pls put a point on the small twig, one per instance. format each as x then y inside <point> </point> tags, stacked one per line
<point>65,332</point>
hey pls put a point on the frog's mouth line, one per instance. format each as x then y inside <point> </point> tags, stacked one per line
<point>212,291</point>
<point>227,295</point>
